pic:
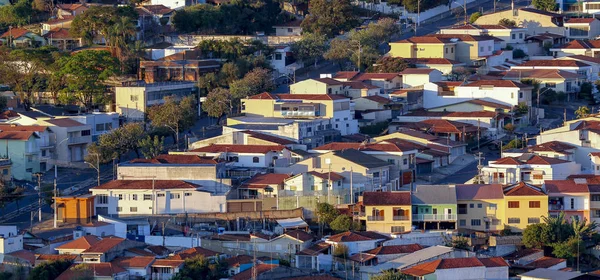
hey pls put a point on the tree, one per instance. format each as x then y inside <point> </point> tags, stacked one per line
<point>388,64</point>
<point>515,143</point>
<point>329,17</point>
<point>507,22</point>
<point>460,242</point>
<point>536,236</point>
<point>390,275</point>
<point>177,115</point>
<point>340,251</point>
<point>85,73</point>
<point>545,5</point>
<point>49,270</point>
<point>326,212</point>
<point>365,57</point>
<point>310,47</point>
<point>17,14</point>
<point>200,268</point>
<point>116,143</point>
<point>585,91</point>
<point>104,21</point>
<point>218,102</point>
<point>459,74</point>
<point>254,82</point>
<point>521,109</point>
<point>474,16</point>
<point>339,51</point>
<point>344,223</point>
<point>519,53</point>
<point>582,112</point>
<point>510,128</point>
<point>151,147</point>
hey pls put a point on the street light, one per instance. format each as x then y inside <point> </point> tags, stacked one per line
<point>97,166</point>
<point>538,103</point>
<point>464,7</point>
<point>55,178</point>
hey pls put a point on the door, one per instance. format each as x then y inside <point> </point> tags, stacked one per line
<point>448,213</point>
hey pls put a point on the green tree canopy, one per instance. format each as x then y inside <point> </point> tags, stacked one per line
<point>177,115</point>
<point>201,268</point>
<point>329,17</point>
<point>85,73</point>
<point>326,213</point>
<point>101,20</point>
<point>218,102</point>
<point>344,223</point>
<point>474,16</point>
<point>545,5</point>
<point>582,112</point>
<point>507,22</point>
<point>116,143</point>
<point>151,147</point>
<point>390,275</point>
<point>389,64</point>
<point>48,270</point>
<point>17,14</point>
<point>254,82</point>
<point>310,48</point>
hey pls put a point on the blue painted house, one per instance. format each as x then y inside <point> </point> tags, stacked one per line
<point>23,150</point>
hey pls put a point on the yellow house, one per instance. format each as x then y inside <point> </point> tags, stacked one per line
<point>536,21</point>
<point>480,207</point>
<point>424,47</point>
<point>294,105</point>
<point>525,204</point>
<point>388,212</point>
<point>317,86</point>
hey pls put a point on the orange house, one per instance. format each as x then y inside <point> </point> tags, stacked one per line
<point>75,209</point>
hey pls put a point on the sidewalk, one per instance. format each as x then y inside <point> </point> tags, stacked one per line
<point>439,174</point>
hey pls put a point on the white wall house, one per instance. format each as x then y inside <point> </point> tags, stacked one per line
<point>10,239</point>
<point>501,91</point>
<point>415,77</point>
<point>259,156</point>
<point>365,240</point>
<point>72,139</point>
<point>147,197</point>
<point>529,168</point>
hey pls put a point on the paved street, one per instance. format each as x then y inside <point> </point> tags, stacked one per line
<point>468,172</point>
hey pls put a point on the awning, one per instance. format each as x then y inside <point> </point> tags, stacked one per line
<point>292,223</point>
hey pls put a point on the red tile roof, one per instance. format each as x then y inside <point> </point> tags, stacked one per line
<point>238,260</point>
<point>545,262</point>
<point>493,262</point>
<point>167,263</point>
<point>76,271</point>
<point>140,252</point>
<point>353,236</point>
<point>66,122</point>
<point>376,76</point>
<point>263,180</point>
<point>554,63</point>
<point>62,19</point>
<point>315,277</point>
<point>395,249</point>
<point>146,185</point>
<point>16,135</point>
<point>300,235</point>
<point>583,57</point>
<point>359,85</point>
<point>541,74</point>
<point>384,146</point>
<point>362,257</point>
<point>462,37</point>
<point>523,189</point>
<point>194,252</point>
<point>46,257</point>
<point>24,255</point>
<point>257,270</point>
<point>15,33</point>
<point>70,7</point>
<point>234,148</point>
<point>59,33</point>
<point>327,175</point>
<point>552,146</point>
<point>580,20</point>
<point>422,269</point>
<point>315,249</point>
<point>378,99</point>
<point>474,192</point>
<point>329,81</point>
<point>133,262</point>
<point>451,263</point>
<point>507,161</point>
<point>522,253</point>
<point>158,9</point>
<point>82,243</point>
<point>177,159</point>
<point>582,44</point>
<point>8,114</point>
<point>310,97</point>
<point>426,40</point>
<point>417,71</point>
<point>565,186</point>
<point>530,159</point>
<point>432,61</point>
<point>270,138</point>
<point>104,245</point>
<point>346,75</point>
<point>497,83</point>
<point>386,198</point>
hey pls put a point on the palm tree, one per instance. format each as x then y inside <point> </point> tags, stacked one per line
<point>582,112</point>
<point>121,34</point>
<point>558,226</point>
<point>582,228</point>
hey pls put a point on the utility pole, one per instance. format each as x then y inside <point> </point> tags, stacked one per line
<point>418,15</point>
<point>465,6</point>
<point>39,176</point>
<point>329,185</point>
<point>55,195</point>
<point>565,116</point>
<point>359,55</point>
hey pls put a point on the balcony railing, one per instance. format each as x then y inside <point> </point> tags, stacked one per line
<point>375,218</point>
<point>556,207</point>
<point>434,217</point>
<point>80,140</point>
<point>595,204</point>
<point>299,113</point>
<point>401,218</point>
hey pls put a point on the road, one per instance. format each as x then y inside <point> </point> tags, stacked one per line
<point>469,171</point>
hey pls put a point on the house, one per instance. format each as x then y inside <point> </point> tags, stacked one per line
<point>71,9</point>
<point>535,21</point>
<point>385,81</point>
<point>550,274</point>
<point>144,197</point>
<point>256,156</point>
<point>461,268</point>
<point>63,22</point>
<point>356,241</point>
<point>133,99</point>
<point>195,252</point>
<point>316,257</point>
<point>574,66</point>
<point>76,136</point>
<point>259,270</point>
<point>106,249</point>
<point>20,37</point>
<point>336,109</point>
<point>552,149</point>
<point>78,246</point>
<point>318,86</point>
<point>290,28</point>
<point>582,28</point>
<point>75,209</point>
<point>594,202</point>
<point>452,130</point>
<point>500,91</point>
<point>385,253</point>
<point>96,271</point>
<point>161,14</point>
<point>284,63</point>
<point>510,36</point>
<point>444,65</point>
<point>186,66</point>
<point>262,185</point>
<point>62,39</point>
<point>23,152</point>
<point>356,89</point>
<point>44,141</point>
<point>166,269</point>
<point>480,207</point>
<point>238,264</point>
<point>374,102</point>
<point>434,207</point>
<point>530,168</point>
<point>10,239</point>
<point>312,182</point>
<point>524,204</point>
<point>524,256</point>
<point>136,266</point>
<point>398,207</point>
<point>592,61</point>
<point>555,79</point>
<point>571,196</point>
<point>578,47</point>
<point>415,77</point>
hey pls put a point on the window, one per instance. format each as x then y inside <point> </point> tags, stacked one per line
<point>489,48</point>
<point>5,172</point>
<point>520,35</point>
<point>86,132</point>
<point>479,205</point>
<point>514,220</point>
<point>512,95</point>
<point>481,49</point>
<point>309,129</point>
<point>493,206</point>
<point>134,197</point>
<point>391,161</point>
<point>534,204</point>
<point>132,209</point>
<point>596,197</point>
<point>147,197</point>
<point>160,195</point>
<point>277,56</point>
<point>188,194</point>
<point>175,196</point>
<point>538,176</point>
<point>120,197</point>
<point>133,98</point>
<point>375,174</point>
<point>29,158</point>
<point>119,209</point>
<point>398,229</point>
<point>99,127</point>
<point>446,50</point>
<point>520,94</point>
<point>234,159</point>
<point>405,161</point>
<point>102,199</point>
<point>462,209</point>
<point>514,36</point>
<point>533,220</point>
<point>290,30</point>
<point>475,222</point>
<point>29,170</point>
<point>495,222</point>
<point>572,203</point>
<point>513,204</point>
<point>472,205</point>
<point>451,49</point>
<point>462,223</point>
<point>255,160</point>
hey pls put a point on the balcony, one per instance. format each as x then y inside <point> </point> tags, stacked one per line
<point>299,113</point>
<point>375,218</point>
<point>433,217</point>
<point>594,204</point>
<point>80,140</point>
<point>401,218</point>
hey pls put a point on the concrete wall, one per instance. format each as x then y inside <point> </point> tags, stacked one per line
<point>193,40</point>
<point>174,241</point>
